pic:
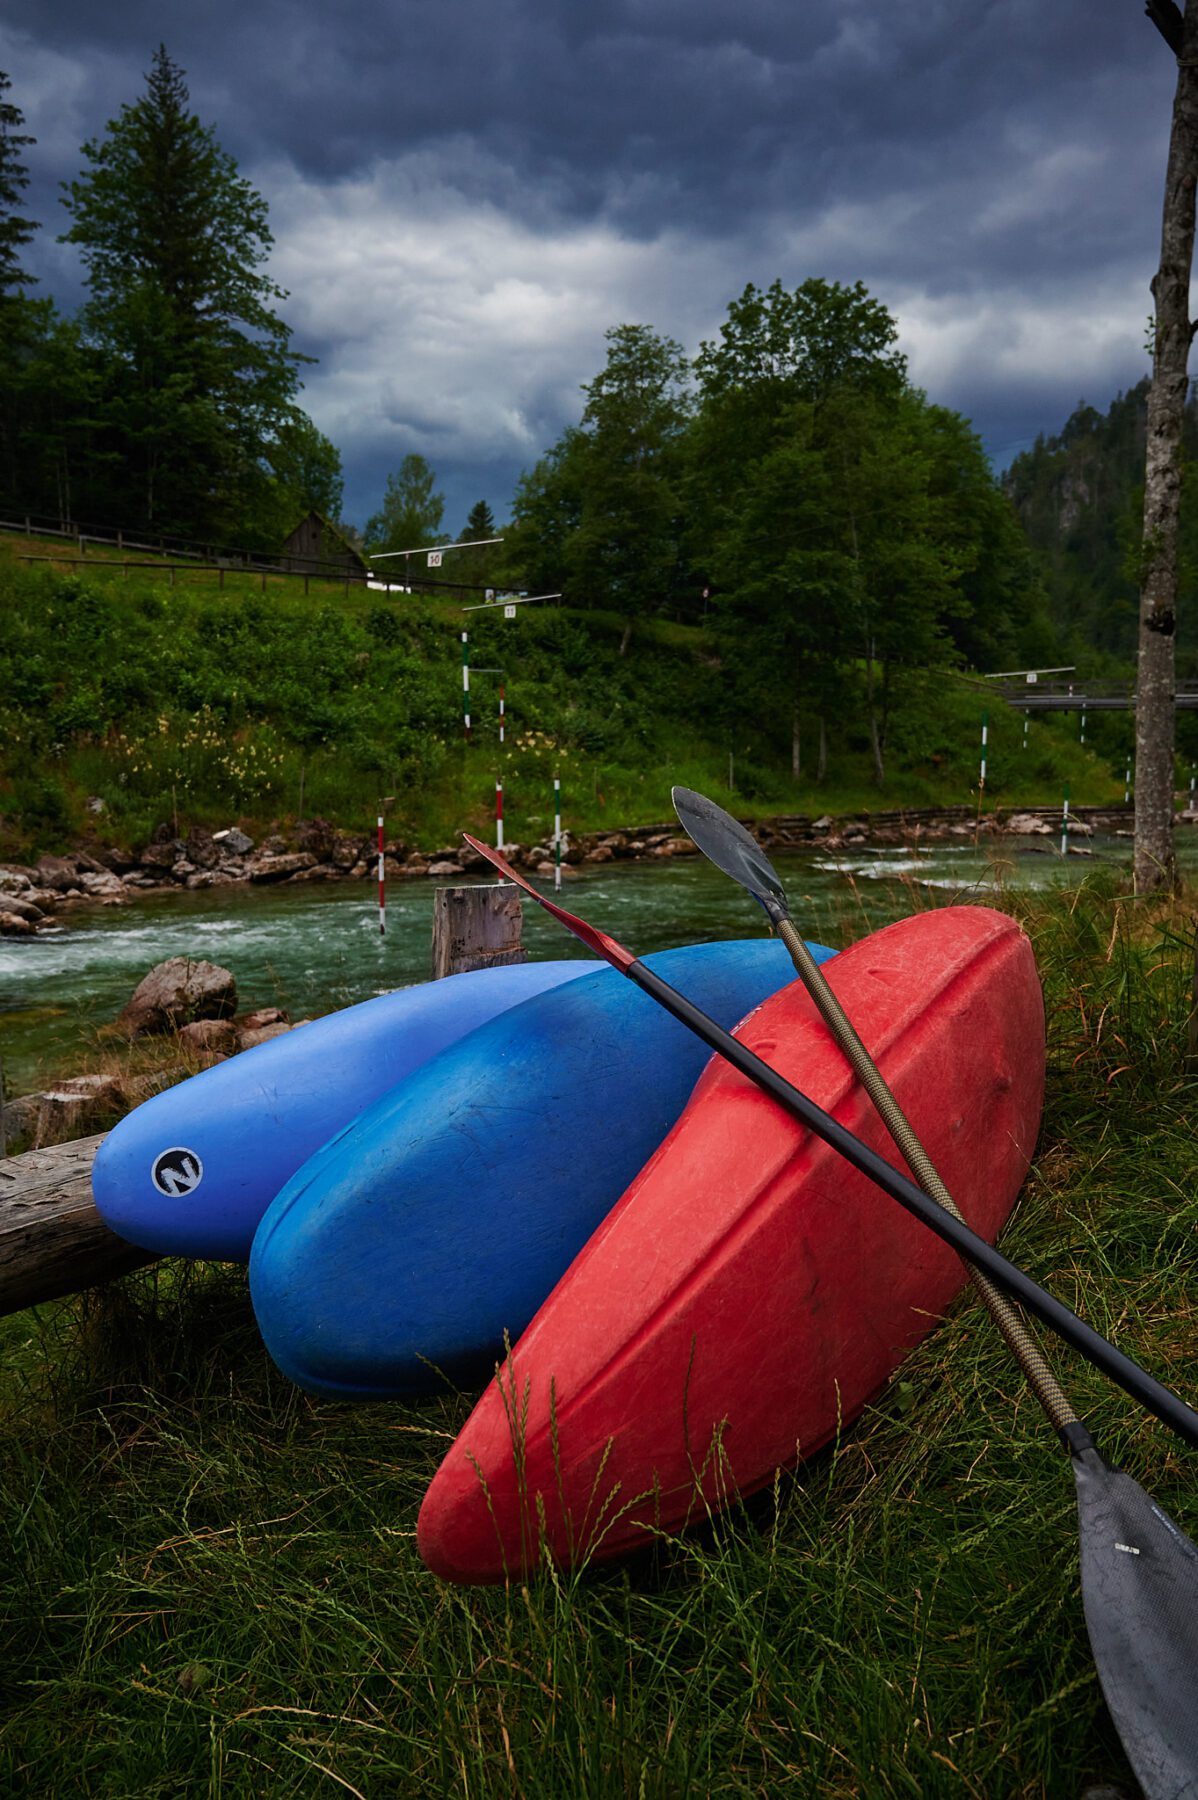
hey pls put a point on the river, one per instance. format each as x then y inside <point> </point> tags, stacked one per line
<point>311,948</point>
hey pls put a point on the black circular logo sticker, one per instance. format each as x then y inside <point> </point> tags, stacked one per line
<point>176,1172</point>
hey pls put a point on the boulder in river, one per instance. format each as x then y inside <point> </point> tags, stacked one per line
<point>177,991</point>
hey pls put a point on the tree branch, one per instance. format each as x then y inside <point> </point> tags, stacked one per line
<point>1166,16</point>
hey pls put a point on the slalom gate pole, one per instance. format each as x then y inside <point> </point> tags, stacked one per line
<point>557,834</point>
<point>1065,823</point>
<point>499,815</point>
<point>1127,783</point>
<point>466,686</point>
<point>501,720</point>
<point>985,734</point>
<point>382,884</point>
<point>1026,722</point>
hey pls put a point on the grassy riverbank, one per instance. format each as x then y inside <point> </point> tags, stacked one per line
<point>212,1586</point>
<point>127,703</point>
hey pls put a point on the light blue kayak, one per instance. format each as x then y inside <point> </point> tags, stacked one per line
<point>191,1172</point>
<point>441,1218</point>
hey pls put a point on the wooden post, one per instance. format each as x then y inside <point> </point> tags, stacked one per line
<point>52,1239</point>
<point>476,928</point>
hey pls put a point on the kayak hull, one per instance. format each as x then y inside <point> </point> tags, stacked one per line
<point>751,1292</point>
<point>246,1125</point>
<point>399,1256</point>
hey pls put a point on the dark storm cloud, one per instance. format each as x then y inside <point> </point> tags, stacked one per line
<point>464,195</point>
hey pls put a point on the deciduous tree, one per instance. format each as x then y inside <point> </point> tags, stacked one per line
<point>412,509</point>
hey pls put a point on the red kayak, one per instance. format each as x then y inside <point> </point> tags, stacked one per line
<point>750,1293</point>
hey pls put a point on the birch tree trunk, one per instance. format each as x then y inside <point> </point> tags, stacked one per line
<point>1155,862</point>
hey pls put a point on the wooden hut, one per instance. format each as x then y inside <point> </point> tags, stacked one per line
<point>317,547</point>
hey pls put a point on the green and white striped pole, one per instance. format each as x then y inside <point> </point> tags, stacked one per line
<point>466,686</point>
<point>985,734</point>
<point>1065,823</point>
<point>557,834</point>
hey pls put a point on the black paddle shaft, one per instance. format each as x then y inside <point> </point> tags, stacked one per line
<point>1135,1381</point>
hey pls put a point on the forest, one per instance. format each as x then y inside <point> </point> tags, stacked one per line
<point>826,529</point>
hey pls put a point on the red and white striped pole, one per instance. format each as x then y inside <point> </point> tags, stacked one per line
<point>382,884</point>
<point>499,815</point>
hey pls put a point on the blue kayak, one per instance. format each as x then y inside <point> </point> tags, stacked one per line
<point>191,1172</point>
<point>441,1218</point>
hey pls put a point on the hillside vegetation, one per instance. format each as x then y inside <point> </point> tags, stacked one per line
<point>216,706</point>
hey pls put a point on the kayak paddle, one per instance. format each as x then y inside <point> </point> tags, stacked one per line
<point>1152,1394</point>
<point>1139,1570</point>
<point>1144,1677</point>
<point>736,853</point>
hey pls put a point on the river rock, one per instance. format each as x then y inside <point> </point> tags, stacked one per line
<point>23,907</point>
<point>1028,825</point>
<point>600,854</point>
<point>346,852</point>
<point>56,872</point>
<point>219,1035</point>
<point>445,869</point>
<point>277,866</point>
<point>232,842</point>
<point>318,836</point>
<point>15,881</point>
<point>11,925</point>
<point>201,848</point>
<point>322,872</point>
<point>248,1039</point>
<point>177,991</point>
<point>103,885</point>
<point>159,856</point>
<point>261,1017</point>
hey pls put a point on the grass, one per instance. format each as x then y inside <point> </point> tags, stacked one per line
<point>189,704</point>
<point>212,1586</point>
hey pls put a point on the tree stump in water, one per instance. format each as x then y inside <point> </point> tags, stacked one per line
<point>476,928</point>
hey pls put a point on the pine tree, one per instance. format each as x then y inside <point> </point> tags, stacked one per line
<point>201,376</point>
<point>480,522</point>
<point>15,231</point>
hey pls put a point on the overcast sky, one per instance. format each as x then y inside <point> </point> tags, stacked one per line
<point>466,194</point>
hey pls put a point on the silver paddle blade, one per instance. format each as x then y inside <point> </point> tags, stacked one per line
<point>726,843</point>
<point>1140,1593</point>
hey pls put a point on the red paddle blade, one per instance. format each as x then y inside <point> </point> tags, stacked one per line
<point>598,941</point>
